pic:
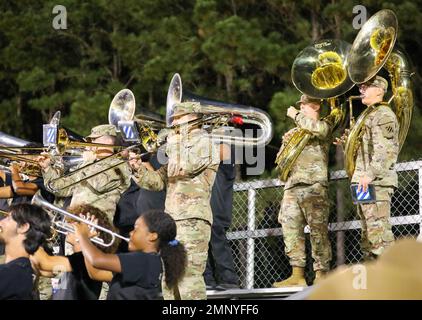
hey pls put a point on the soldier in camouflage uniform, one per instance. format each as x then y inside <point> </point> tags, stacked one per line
<point>102,191</point>
<point>305,200</point>
<point>189,177</point>
<point>375,162</point>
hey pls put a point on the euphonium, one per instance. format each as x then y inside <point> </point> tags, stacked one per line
<point>372,50</point>
<point>319,71</point>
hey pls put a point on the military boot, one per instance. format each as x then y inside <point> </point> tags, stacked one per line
<point>297,279</point>
<point>319,274</point>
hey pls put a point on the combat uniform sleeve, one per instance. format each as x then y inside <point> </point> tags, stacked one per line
<point>195,158</point>
<point>317,128</point>
<point>384,137</point>
<point>109,180</point>
<point>50,174</point>
<point>152,180</point>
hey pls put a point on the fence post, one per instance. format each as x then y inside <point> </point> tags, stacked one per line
<point>250,247</point>
<point>420,200</point>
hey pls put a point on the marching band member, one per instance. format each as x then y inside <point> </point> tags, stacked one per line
<point>102,191</point>
<point>305,199</point>
<point>375,162</point>
<point>189,177</point>
<point>23,231</point>
<point>18,187</point>
<point>76,283</point>
<point>136,275</point>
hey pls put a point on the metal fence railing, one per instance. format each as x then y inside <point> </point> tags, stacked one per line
<point>256,236</point>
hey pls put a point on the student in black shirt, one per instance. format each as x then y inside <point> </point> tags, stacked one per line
<point>76,283</point>
<point>136,275</point>
<point>25,228</point>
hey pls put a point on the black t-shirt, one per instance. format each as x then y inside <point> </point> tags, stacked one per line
<point>140,278</point>
<point>77,285</point>
<point>16,280</point>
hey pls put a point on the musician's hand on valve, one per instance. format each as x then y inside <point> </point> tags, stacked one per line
<point>134,160</point>
<point>292,112</point>
<point>81,230</point>
<point>342,140</point>
<point>288,135</point>
<point>94,220</point>
<point>15,166</point>
<point>43,160</point>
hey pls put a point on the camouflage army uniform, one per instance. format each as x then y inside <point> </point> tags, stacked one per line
<point>376,158</point>
<point>102,191</point>
<point>305,200</point>
<point>189,177</point>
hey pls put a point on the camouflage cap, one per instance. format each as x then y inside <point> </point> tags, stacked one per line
<point>379,82</point>
<point>307,99</point>
<point>183,108</point>
<point>103,130</point>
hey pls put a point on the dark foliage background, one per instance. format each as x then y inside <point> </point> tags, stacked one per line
<point>237,51</point>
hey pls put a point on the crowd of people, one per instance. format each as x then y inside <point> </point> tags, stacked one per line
<point>164,210</point>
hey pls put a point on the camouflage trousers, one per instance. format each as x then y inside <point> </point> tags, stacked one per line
<point>104,291</point>
<point>45,288</point>
<point>376,226</point>
<point>195,235</point>
<point>306,205</point>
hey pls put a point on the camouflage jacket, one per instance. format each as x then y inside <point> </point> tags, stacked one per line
<point>102,191</point>
<point>189,175</point>
<point>379,148</point>
<point>311,165</point>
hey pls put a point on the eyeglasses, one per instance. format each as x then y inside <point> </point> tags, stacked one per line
<point>365,86</point>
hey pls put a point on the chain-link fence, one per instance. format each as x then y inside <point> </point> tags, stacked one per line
<point>256,237</point>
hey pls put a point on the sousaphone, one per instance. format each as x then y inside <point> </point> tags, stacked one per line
<point>373,49</point>
<point>319,71</point>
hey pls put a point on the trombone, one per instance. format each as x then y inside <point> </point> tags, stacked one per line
<point>65,227</point>
<point>64,143</point>
<point>114,155</point>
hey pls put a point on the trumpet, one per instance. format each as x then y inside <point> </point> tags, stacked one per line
<point>64,227</point>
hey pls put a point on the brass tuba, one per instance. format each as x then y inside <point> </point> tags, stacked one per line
<point>373,49</point>
<point>319,71</point>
